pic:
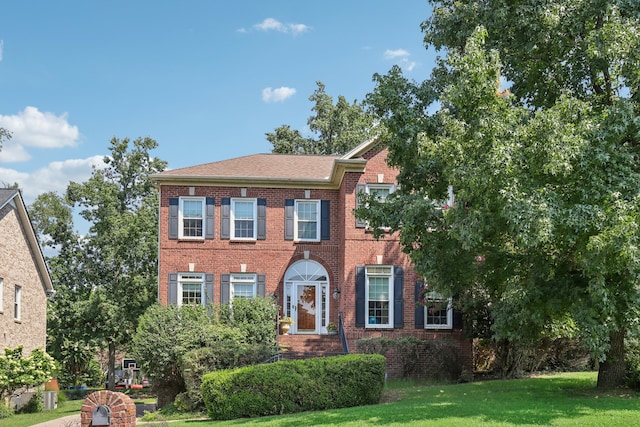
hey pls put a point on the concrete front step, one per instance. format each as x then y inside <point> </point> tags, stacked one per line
<point>310,343</point>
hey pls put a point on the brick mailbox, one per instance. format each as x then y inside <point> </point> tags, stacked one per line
<point>108,408</point>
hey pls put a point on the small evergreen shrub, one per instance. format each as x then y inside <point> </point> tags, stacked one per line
<point>34,405</point>
<point>294,386</point>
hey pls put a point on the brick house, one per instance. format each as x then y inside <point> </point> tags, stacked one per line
<point>283,226</point>
<point>25,283</point>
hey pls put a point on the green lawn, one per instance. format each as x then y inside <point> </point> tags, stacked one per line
<point>554,400</point>
<point>68,407</point>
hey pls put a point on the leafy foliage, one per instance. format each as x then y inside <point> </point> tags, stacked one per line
<point>255,317</point>
<point>336,128</point>
<point>106,278</point>
<point>18,371</point>
<point>294,386</point>
<point>545,220</point>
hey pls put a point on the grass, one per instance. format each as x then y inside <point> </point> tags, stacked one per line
<point>555,400</point>
<point>68,407</point>
<point>568,399</point>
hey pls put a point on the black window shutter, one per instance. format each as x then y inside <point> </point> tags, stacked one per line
<point>360,296</point>
<point>261,285</point>
<point>209,224</point>
<point>458,322</point>
<point>208,286</point>
<point>419,313</point>
<point>174,204</point>
<point>325,220</point>
<point>289,206</point>
<point>172,291</point>
<point>398,297</point>
<point>262,219</point>
<point>360,188</point>
<point>225,288</point>
<point>225,218</point>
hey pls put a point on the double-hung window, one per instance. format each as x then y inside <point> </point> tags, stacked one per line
<point>243,219</point>
<point>243,286</point>
<point>381,193</point>
<point>307,222</point>
<point>379,296</point>
<point>17,303</point>
<point>190,289</point>
<point>438,312</point>
<point>192,214</point>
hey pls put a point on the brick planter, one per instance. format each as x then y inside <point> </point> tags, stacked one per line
<point>121,408</point>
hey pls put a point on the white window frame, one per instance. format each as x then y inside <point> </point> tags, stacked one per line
<point>377,271</point>
<point>17,303</point>
<point>181,217</point>
<point>297,220</point>
<point>1,295</point>
<point>390,187</point>
<point>431,296</point>
<point>233,219</point>
<point>242,279</point>
<point>190,279</point>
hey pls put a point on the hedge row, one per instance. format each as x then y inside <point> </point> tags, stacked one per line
<point>294,386</point>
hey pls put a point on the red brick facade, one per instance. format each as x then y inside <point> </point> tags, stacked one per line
<point>348,246</point>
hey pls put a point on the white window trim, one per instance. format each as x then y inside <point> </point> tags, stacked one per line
<point>181,217</point>
<point>190,278</point>
<point>390,275</point>
<point>17,303</point>
<point>392,189</point>
<point>233,219</point>
<point>295,222</point>
<point>449,324</point>
<point>242,278</point>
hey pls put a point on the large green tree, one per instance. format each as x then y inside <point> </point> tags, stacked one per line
<point>546,217</point>
<point>335,129</point>
<point>108,276</point>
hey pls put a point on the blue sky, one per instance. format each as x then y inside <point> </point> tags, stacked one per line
<point>205,79</point>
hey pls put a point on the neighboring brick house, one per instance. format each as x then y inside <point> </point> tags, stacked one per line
<point>284,226</point>
<point>25,283</point>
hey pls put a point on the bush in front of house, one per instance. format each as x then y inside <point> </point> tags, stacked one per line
<point>294,386</point>
<point>224,355</point>
<point>430,359</point>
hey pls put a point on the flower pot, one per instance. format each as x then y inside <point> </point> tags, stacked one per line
<point>284,327</point>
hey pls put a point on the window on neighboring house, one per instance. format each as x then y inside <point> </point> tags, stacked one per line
<point>380,191</point>
<point>190,289</point>
<point>17,303</point>
<point>243,285</point>
<point>191,217</point>
<point>307,223</point>
<point>379,296</point>
<point>192,214</point>
<point>438,312</point>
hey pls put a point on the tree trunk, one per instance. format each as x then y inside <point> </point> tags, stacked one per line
<point>611,372</point>
<point>111,374</point>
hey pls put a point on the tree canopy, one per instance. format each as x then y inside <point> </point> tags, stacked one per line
<point>335,129</point>
<point>546,173</point>
<point>106,278</point>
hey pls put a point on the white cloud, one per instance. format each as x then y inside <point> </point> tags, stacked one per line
<point>270,24</point>
<point>33,128</point>
<point>398,53</point>
<point>53,177</point>
<point>402,56</point>
<point>278,94</point>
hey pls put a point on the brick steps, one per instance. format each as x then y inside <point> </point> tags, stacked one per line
<point>310,343</point>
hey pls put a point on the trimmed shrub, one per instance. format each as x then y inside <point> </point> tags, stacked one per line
<point>294,386</point>
<point>224,355</point>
